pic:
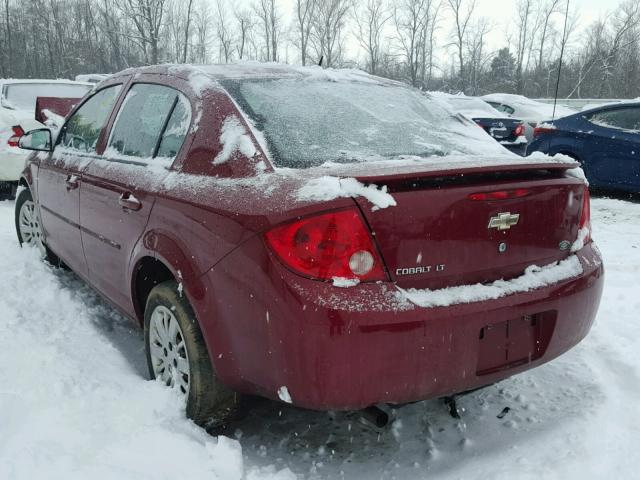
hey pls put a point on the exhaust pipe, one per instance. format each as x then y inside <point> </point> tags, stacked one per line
<point>375,416</point>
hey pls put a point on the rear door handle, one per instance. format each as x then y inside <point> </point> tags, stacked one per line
<point>72,182</point>
<point>129,202</point>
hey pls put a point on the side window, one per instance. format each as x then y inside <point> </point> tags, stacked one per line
<point>176,130</point>
<point>83,129</point>
<point>619,119</point>
<point>142,118</point>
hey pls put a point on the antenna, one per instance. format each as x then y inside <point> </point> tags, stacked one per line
<point>564,41</point>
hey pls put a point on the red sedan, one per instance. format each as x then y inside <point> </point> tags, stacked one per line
<point>328,238</point>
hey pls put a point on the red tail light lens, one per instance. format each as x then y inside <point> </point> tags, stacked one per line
<point>14,140</point>
<point>500,194</point>
<point>519,131</point>
<point>326,246</point>
<point>585,217</point>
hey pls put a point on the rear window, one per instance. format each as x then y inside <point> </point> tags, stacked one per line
<point>22,96</point>
<point>620,119</point>
<point>310,122</point>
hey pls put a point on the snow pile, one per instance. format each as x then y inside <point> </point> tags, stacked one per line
<point>575,418</point>
<point>330,188</point>
<point>74,400</point>
<point>234,138</point>
<point>283,394</point>
<point>533,277</point>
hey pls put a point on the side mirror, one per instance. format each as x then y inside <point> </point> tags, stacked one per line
<point>39,140</point>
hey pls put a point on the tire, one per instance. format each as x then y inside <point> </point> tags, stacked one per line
<point>29,227</point>
<point>209,403</point>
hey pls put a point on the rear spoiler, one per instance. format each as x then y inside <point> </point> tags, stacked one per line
<point>382,173</point>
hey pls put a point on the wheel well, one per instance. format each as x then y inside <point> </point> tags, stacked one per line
<point>149,273</point>
<point>23,182</point>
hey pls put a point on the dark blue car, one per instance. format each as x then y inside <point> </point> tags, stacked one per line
<point>605,140</point>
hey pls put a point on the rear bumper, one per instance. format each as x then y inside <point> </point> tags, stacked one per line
<point>350,348</point>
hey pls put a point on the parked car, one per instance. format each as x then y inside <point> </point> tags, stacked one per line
<point>605,140</point>
<point>529,111</point>
<point>17,115</point>
<point>327,238</point>
<point>509,132</point>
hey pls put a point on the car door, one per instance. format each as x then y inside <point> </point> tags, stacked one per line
<point>119,187</point>
<point>613,151</point>
<point>60,176</point>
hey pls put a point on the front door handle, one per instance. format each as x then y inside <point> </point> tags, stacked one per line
<point>129,202</point>
<point>72,182</point>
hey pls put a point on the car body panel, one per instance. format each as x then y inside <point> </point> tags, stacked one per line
<point>266,327</point>
<point>609,156</point>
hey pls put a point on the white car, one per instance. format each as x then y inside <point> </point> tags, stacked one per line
<point>529,111</point>
<point>17,116</point>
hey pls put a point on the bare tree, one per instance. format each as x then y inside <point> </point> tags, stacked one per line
<point>244,27</point>
<point>329,23</point>
<point>370,20</point>
<point>462,11</point>
<point>305,12</point>
<point>147,17</point>
<point>412,21</point>
<point>223,33</point>
<point>268,13</point>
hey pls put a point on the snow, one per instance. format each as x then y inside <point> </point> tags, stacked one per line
<point>527,109</point>
<point>583,234</point>
<point>533,277</point>
<point>75,402</point>
<point>330,188</point>
<point>234,138</point>
<point>283,394</point>
<point>341,282</point>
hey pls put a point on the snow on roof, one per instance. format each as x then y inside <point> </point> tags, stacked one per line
<point>253,69</point>
<point>471,107</point>
<point>526,108</point>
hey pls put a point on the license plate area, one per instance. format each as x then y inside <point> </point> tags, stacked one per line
<point>514,342</point>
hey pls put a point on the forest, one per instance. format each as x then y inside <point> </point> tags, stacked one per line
<point>430,44</point>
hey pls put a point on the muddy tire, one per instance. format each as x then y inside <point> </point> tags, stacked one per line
<point>177,356</point>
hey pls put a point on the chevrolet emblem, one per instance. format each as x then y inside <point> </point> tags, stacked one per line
<point>504,221</point>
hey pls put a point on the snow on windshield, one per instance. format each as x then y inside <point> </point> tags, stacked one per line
<point>23,96</point>
<point>308,122</point>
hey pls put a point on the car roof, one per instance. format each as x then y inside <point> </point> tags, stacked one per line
<point>258,70</point>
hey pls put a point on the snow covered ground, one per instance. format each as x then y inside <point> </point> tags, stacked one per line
<point>75,403</point>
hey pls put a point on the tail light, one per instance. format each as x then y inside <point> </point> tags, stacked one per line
<point>323,247</point>
<point>14,140</point>
<point>519,131</point>
<point>585,218</point>
<point>500,194</point>
<point>542,131</point>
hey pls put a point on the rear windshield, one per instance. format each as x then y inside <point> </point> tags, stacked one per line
<point>22,96</point>
<point>311,122</point>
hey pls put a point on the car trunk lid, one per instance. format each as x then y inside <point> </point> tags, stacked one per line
<point>477,225</point>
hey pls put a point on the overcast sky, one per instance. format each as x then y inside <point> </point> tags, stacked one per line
<point>500,12</point>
